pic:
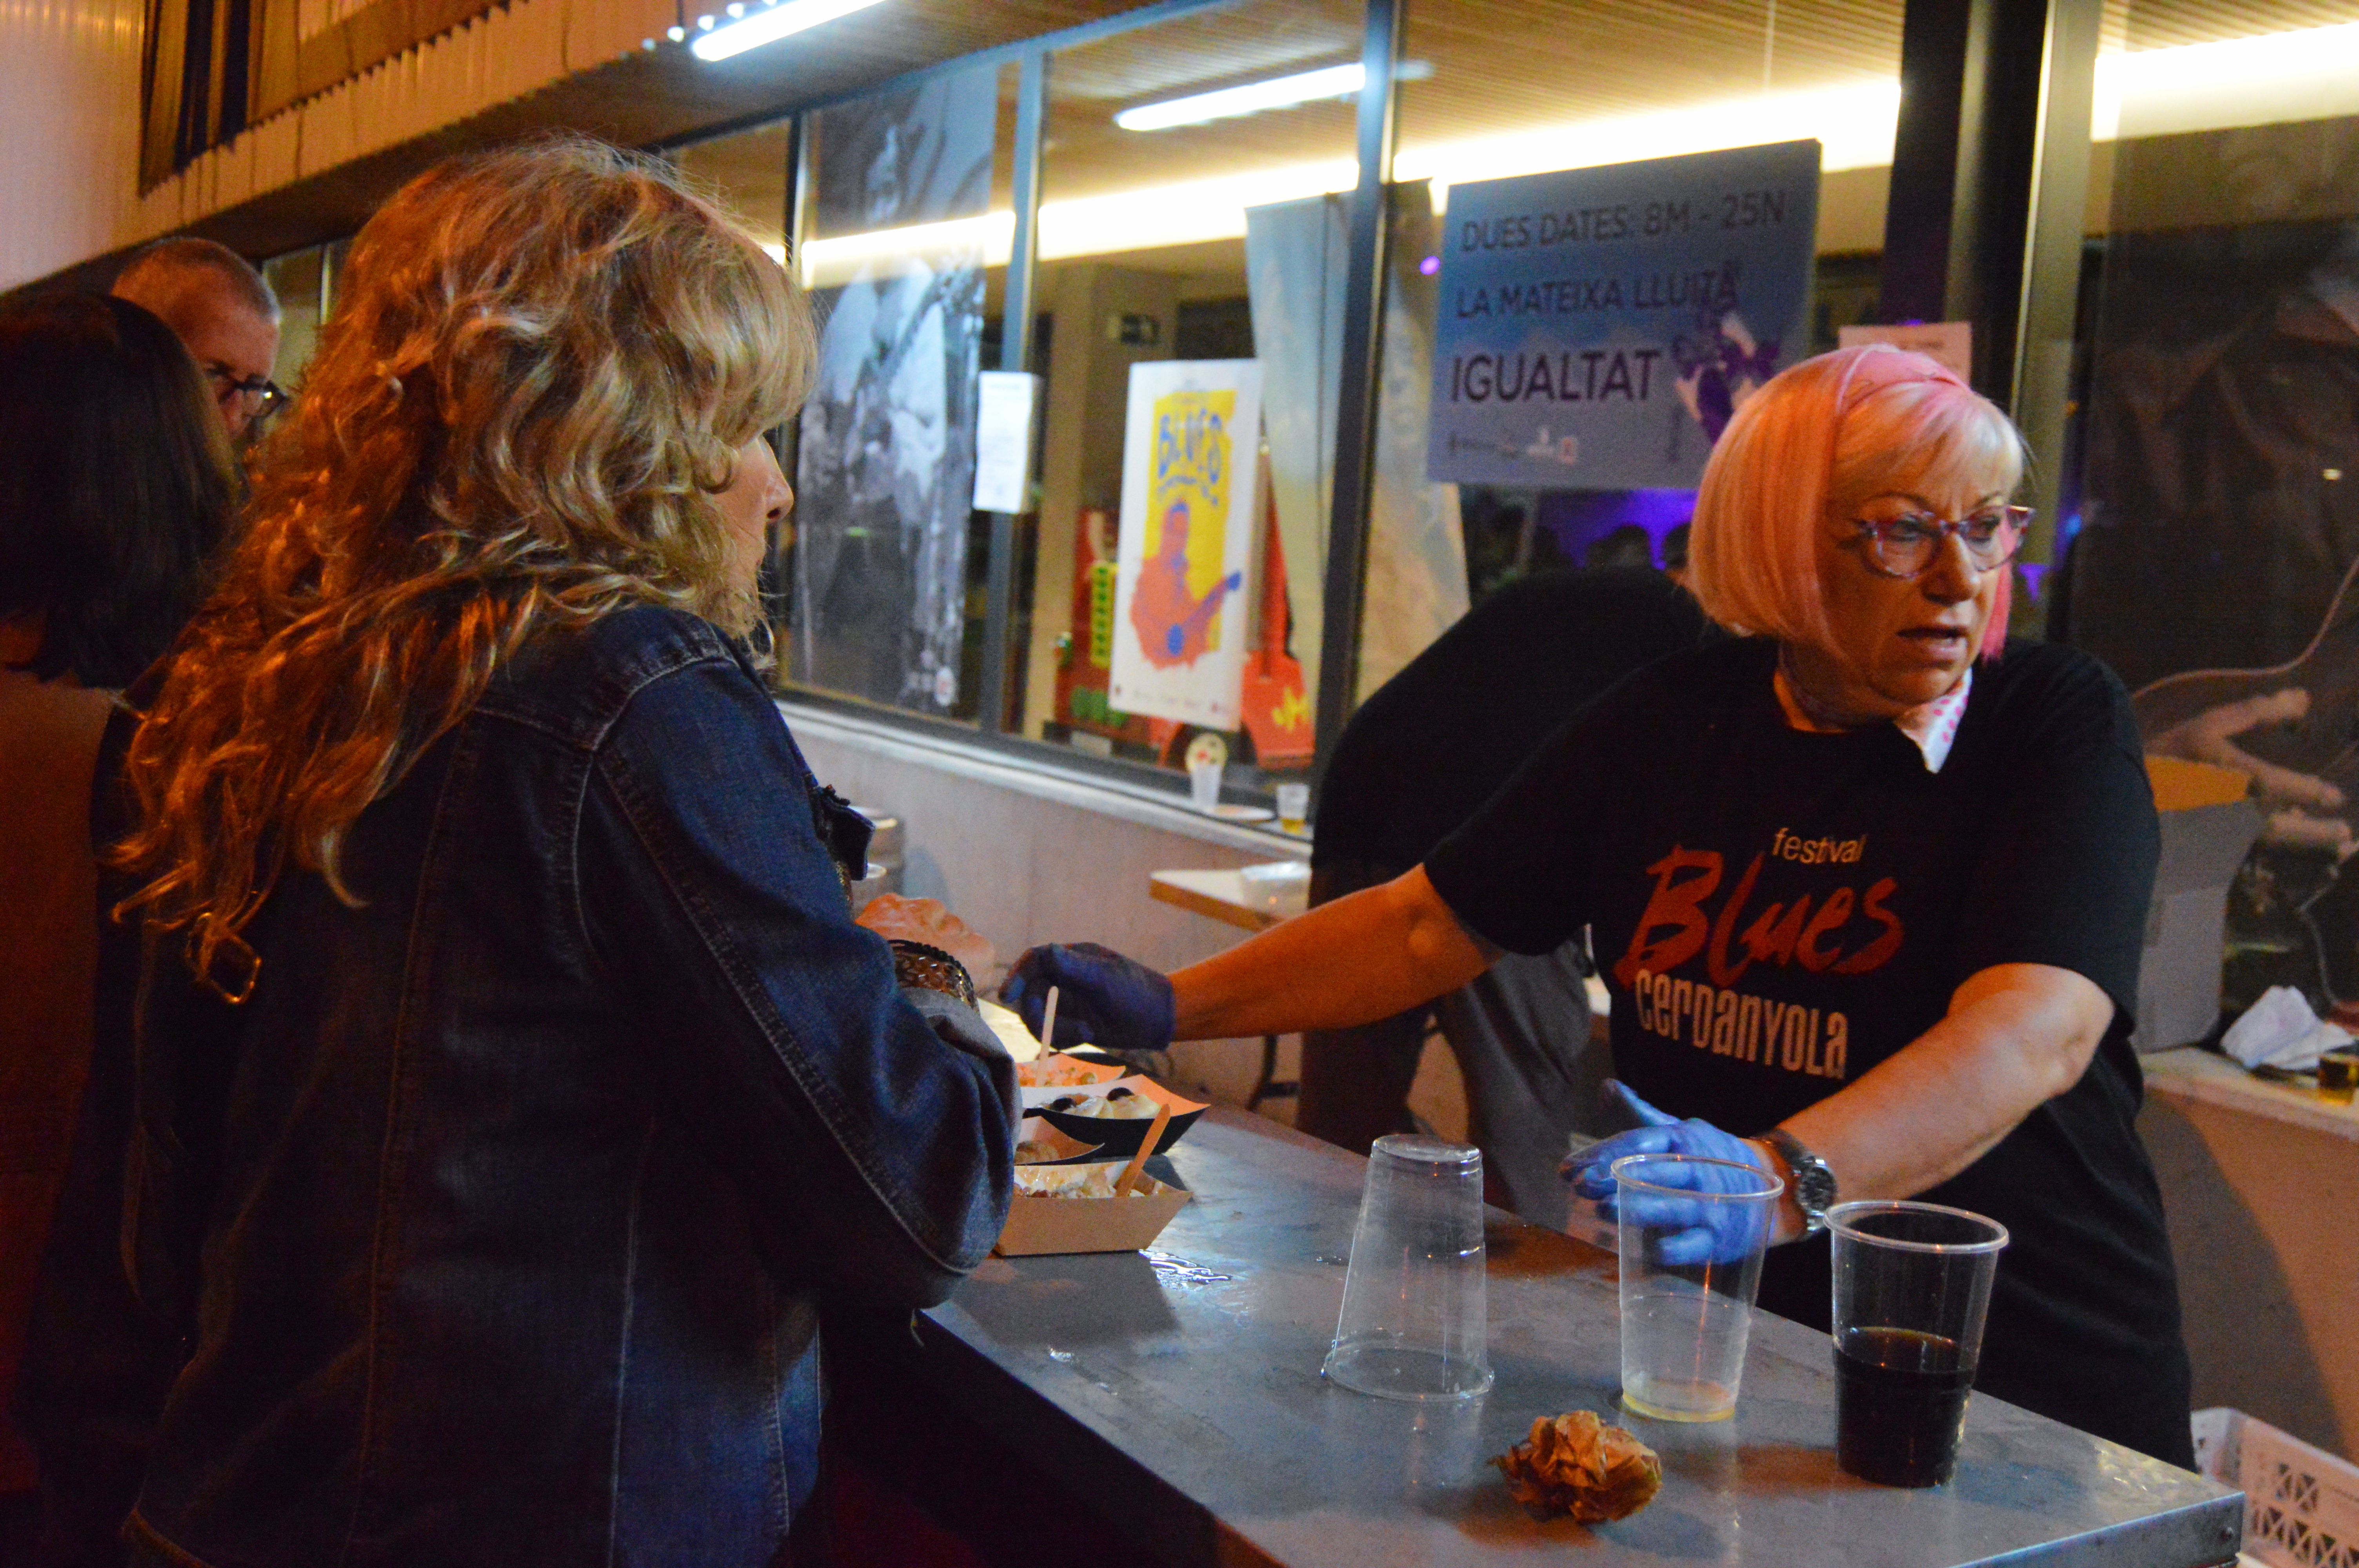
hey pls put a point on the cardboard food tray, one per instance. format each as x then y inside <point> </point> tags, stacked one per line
<point>1040,1225</point>
<point>1114,1137</point>
<point>1096,1072</point>
<point>1070,1150</point>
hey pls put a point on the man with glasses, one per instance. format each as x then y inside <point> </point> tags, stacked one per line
<point>223,311</point>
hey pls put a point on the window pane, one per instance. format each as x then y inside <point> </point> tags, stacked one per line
<point>748,173</point>
<point>1606,83</point>
<point>900,229</point>
<point>295,280</point>
<point>1194,243</point>
<point>2209,515</point>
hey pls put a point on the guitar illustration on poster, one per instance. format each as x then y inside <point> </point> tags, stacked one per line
<point>1190,484</point>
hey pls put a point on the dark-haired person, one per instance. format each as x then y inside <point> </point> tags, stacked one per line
<point>514,1083</point>
<point>224,313</point>
<point>117,486</point>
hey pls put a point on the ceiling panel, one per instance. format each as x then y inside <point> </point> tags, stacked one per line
<point>1479,68</point>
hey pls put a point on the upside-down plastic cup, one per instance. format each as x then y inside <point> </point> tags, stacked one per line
<point>1912,1286</point>
<point>1691,1233</point>
<point>1204,786</point>
<point>1414,1323</point>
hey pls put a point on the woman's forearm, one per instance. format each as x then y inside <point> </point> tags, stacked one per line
<point>1354,961</point>
<point>2015,1036</point>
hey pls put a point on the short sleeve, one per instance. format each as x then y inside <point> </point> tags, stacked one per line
<point>1519,873</point>
<point>2066,871</point>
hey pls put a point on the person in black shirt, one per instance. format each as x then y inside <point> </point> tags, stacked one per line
<point>1419,757</point>
<point>1848,890</point>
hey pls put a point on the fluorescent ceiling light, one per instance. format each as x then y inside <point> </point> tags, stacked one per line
<point>1852,126</point>
<point>1181,214</point>
<point>1151,218</point>
<point>1229,102</point>
<point>842,258</point>
<point>782,18</point>
<point>2311,73</point>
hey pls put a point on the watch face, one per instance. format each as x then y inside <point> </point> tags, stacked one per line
<point>1814,1184</point>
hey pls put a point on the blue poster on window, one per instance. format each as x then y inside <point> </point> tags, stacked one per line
<point>1598,326</point>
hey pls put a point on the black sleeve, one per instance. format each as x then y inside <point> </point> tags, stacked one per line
<point>2066,869</point>
<point>1519,874</point>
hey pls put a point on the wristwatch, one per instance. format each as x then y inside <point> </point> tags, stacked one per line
<point>1812,1181</point>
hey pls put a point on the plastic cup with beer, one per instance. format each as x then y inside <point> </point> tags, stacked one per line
<point>1691,1232</point>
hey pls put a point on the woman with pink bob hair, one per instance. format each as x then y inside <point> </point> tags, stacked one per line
<point>1867,883</point>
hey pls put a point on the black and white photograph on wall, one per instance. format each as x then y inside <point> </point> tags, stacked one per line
<point>886,465</point>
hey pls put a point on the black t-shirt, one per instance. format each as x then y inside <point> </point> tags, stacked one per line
<point>1440,737</point>
<point>1777,912</point>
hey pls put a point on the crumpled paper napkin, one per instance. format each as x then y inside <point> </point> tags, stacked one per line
<point>2280,1031</point>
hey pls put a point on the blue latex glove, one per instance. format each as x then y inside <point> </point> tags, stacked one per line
<point>1694,1232</point>
<point>1104,998</point>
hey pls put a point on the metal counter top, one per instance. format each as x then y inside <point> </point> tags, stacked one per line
<point>1180,1388</point>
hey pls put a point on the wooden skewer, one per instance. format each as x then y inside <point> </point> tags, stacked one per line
<point>1129,1177</point>
<point>1048,1024</point>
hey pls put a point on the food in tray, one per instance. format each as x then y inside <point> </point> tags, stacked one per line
<point>1118,1105</point>
<point>1577,1464</point>
<point>1054,1072</point>
<point>1038,1152</point>
<point>1074,1181</point>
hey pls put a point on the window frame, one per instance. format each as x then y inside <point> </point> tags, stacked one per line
<point>2057,112</point>
<point>1343,588</point>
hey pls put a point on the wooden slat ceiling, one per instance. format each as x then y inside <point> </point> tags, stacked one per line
<point>1086,153</point>
<point>644,98</point>
<point>1496,66</point>
<point>1504,66</point>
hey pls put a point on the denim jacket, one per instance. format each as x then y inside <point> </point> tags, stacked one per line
<point>492,1228</point>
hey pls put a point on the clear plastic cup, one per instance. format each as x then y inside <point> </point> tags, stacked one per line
<point>1204,785</point>
<point>1294,806</point>
<point>1691,1233</point>
<point>1413,1324</point>
<point>1912,1286</point>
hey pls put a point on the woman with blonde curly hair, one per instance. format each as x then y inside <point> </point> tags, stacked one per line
<point>512,1084</point>
<point>1867,880</point>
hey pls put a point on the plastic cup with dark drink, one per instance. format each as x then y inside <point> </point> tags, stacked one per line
<point>1912,1287</point>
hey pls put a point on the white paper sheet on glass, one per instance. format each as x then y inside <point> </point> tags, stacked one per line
<point>1004,402</point>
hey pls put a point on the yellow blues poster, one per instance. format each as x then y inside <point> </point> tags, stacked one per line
<point>1192,460</point>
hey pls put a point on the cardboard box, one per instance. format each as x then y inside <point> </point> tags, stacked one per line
<point>1038,1224</point>
<point>2208,829</point>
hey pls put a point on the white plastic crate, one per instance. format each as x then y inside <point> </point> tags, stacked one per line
<point>2301,1504</point>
